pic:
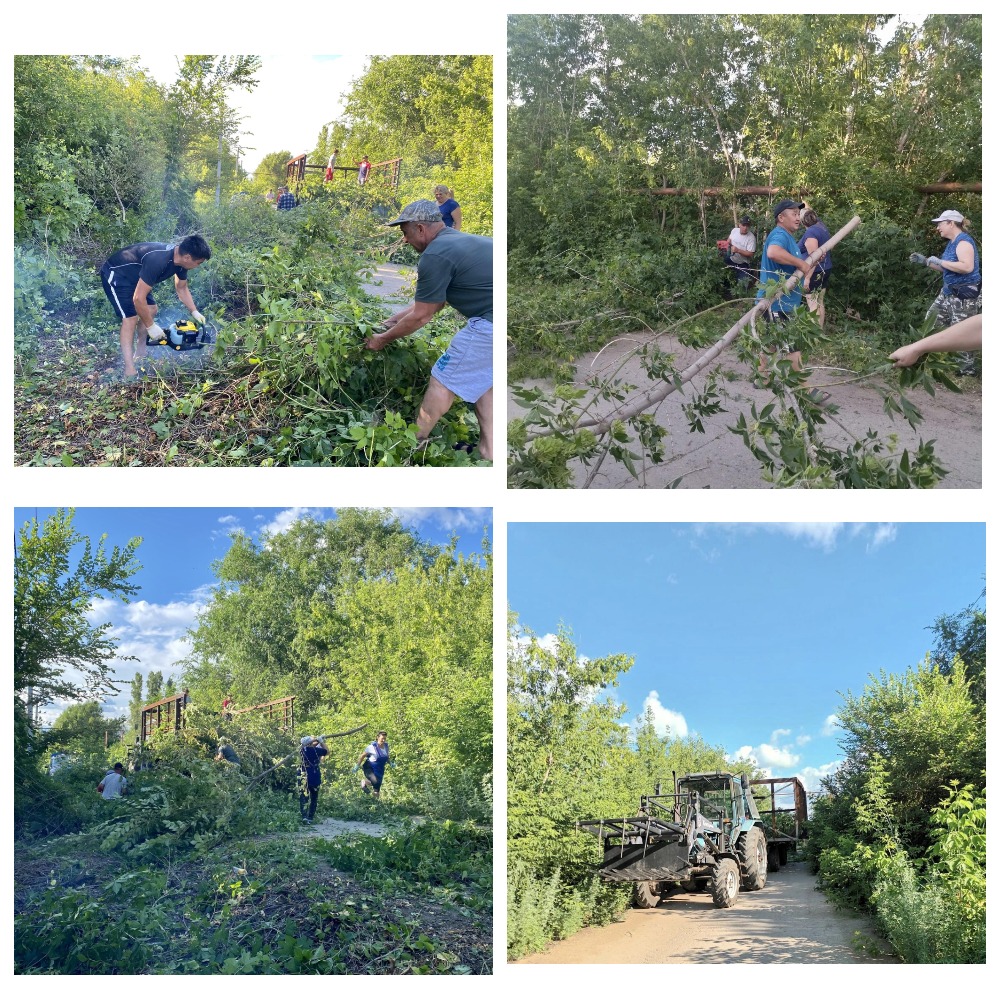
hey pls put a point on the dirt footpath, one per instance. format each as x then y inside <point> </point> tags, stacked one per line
<point>719,459</point>
<point>392,282</point>
<point>787,921</point>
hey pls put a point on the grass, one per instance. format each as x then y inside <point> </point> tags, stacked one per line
<point>418,901</point>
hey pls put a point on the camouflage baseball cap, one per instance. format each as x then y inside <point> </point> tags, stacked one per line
<point>418,211</point>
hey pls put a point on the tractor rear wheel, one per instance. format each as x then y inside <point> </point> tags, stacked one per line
<point>726,883</point>
<point>752,850</point>
<point>773,858</point>
<point>645,895</point>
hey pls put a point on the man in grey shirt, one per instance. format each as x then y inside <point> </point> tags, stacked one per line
<point>455,269</point>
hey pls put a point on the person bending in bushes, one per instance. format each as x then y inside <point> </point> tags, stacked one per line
<point>128,277</point>
<point>114,784</point>
<point>455,269</point>
<point>311,749</point>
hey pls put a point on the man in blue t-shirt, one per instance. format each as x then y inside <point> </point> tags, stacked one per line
<point>455,269</point>
<point>311,749</point>
<point>780,258</point>
<point>128,277</point>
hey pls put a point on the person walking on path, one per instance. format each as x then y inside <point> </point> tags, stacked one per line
<point>128,277</point>
<point>373,761</point>
<point>363,167</point>
<point>114,784</point>
<point>311,749</point>
<point>454,269</point>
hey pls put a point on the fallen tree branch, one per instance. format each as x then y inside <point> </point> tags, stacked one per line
<point>655,395</point>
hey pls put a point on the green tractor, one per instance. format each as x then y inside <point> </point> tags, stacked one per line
<point>704,836</point>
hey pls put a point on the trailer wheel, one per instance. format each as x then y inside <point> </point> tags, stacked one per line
<point>645,895</point>
<point>783,855</point>
<point>752,850</point>
<point>773,858</point>
<point>726,883</point>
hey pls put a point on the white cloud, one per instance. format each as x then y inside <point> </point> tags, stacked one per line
<point>450,519</point>
<point>801,741</point>
<point>772,757</point>
<point>812,776</point>
<point>816,534</point>
<point>284,519</point>
<point>779,734</point>
<point>830,725</point>
<point>229,519</point>
<point>664,719</point>
<point>882,534</point>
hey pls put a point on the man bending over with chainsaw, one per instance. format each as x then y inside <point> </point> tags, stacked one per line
<point>128,278</point>
<point>455,269</point>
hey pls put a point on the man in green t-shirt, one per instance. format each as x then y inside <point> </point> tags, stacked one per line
<point>455,269</point>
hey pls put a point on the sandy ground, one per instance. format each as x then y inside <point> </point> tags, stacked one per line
<point>788,921</point>
<point>719,459</point>
<point>330,828</point>
<point>392,282</point>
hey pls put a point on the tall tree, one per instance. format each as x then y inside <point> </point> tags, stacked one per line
<point>154,686</point>
<point>58,652</point>
<point>83,728</point>
<point>135,701</point>
<point>248,637</point>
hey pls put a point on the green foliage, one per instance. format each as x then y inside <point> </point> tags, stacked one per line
<point>51,600</point>
<point>445,856</point>
<point>570,758</point>
<point>293,615</point>
<point>941,917</point>
<point>900,830</point>
<point>962,636</point>
<point>83,728</point>
<point>69,931</point>
<point>605,108</point>
<point>436,112</point>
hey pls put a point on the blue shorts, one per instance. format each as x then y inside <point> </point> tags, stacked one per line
<point>466,368</point>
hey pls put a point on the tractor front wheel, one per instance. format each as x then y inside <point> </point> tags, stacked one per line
<point>645,895</point>
<point>726,883</point>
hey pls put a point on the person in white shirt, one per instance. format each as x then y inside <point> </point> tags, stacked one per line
<point>742,247</point>
<point>113,785</point>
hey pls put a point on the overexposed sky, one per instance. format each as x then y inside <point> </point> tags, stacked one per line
<point>295,97</point>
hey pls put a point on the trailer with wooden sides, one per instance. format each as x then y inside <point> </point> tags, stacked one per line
<point>169,712</point>
<point>784,812</point>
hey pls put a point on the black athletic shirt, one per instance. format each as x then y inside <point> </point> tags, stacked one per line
<point>152,262</point>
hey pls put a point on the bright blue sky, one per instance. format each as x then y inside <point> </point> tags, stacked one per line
<point>178,548</point>
<point>744,633</point>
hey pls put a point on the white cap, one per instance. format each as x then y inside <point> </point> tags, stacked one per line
<point>950,215</point>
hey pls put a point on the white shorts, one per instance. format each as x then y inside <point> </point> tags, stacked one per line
<point>466,367</point>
